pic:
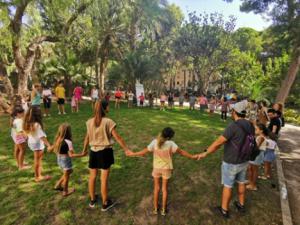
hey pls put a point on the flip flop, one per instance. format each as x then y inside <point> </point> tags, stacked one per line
<point>71,191</point>
<point>251,188</point>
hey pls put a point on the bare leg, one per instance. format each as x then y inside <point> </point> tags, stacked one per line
<point>60,182</point>
<point>104,185</point>
<point>40,168</point>
<point>156,192</point>
<point>16,154</point>
<point>226,197</point>
<point>241,193</point>
<point>92,181</point>
<point>165,193</point>
<point>66,191</point>
<point>268,169</point>
<point>21,155</point>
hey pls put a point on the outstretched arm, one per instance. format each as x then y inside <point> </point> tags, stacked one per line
<point>120,141</point>
<point>139,153</point>
<point>213,147</point>
<point>85,145</point>
<point>185,154</point>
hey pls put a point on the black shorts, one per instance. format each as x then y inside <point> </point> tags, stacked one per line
<point>61,101</point>
<point>47,103</point>
<point>141,102</point>
<point>102,159</point>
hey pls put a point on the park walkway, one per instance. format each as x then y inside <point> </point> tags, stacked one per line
<point>290,155</point>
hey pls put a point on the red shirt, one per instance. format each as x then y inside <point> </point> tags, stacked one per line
<point>142,98</point>
<point>118,94</point>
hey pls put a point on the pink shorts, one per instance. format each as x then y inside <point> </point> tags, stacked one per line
<point>19,139</point>
<point>164,173</point>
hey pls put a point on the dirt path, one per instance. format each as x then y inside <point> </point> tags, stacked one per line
<point>290,154</point>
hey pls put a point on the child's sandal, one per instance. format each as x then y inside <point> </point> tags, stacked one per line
<point>58,189</point>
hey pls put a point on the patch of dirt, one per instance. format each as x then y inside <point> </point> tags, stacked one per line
<point>143,215</point>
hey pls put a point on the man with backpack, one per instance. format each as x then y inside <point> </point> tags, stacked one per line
<point>239,143</point>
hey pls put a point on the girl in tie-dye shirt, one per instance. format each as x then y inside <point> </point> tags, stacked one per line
<point>163,149</point>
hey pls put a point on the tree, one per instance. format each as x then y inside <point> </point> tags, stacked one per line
<point>286,23</point>
<point>55,28</point>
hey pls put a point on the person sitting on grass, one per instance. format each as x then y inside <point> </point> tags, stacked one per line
<point>162,148</point>
<point>64,150</point>
<point>261,132</point>
<point>19,137</point>
<point>100,133</point>
<point>37,139</point>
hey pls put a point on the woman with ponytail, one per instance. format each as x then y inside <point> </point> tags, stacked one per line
<point>163,149</point>
<point>99,137</point>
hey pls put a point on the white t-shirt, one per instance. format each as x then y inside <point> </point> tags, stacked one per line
<point>263,145</point>
<point>130,96</point>
<point>47,93</point>
<point>95,93</point>
<point>17,127</point>
<point>34,139</point>
<point>162,157</point>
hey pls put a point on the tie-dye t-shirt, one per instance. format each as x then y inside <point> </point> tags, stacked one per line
<point>162,157</point>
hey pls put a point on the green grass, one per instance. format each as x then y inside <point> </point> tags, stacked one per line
<point>193,189</point>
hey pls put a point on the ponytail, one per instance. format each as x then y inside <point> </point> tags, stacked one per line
<point>99,113</point>
<point>166,134</point>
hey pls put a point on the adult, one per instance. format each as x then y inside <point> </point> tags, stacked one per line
<point>279,110</point>
<point>203,102</point>
<point>192,101</point>
<point>274,125</point>
<point>60,94</point>
<point>100,133</point>
<point>262,115</point>
<point>181,100</point>
<point>36,95</point>
<point>151,100</point>
<point>170,100</point>
<point>94,95</point>
<point>47,98</point>
<point>234,167</point>
<point>118,96</point>
<point>78,92</point>
<point>252,110</point>
<point>130,99</point>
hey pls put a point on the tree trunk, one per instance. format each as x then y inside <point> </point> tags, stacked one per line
<point>6,82</point>
<point>103,65</point>
<point>287,83</point>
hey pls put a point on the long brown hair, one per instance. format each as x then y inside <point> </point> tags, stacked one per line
<point>64,132</point>
<point>166,134</point>
<point>99,112</point>
<point>32,116</point>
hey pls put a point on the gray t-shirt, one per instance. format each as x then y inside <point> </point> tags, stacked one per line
<point>192,100</point>
<point>235,137</point>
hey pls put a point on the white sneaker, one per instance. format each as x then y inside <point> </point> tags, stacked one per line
<point>59,113</point>
<point>65,113</point>
<point>45,115</point>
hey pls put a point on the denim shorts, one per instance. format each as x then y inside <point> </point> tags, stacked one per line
<point>232,173</point>
<point>269,155</point>
<point>64,162</point>
<point>259,159</point>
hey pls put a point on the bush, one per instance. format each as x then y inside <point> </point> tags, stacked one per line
<point>292,116</point>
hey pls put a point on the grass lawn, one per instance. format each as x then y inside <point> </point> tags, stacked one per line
<point>194,188</point>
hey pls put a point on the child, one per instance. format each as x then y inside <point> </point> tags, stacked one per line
<point>73,104</point>
<point>100,133</point>
<point>142,99</point>
<point>37,140</point>
<point>212,105</point>
<point>94,95</point>
<point>107,97</point>
<point>261,132</point>
<point>269,157</point>
<point>192,101</point>
<point>163,149</point>
<point>64,150</point>
<point>224,108</point>
<point>19,137</point>
<point>163,98</point>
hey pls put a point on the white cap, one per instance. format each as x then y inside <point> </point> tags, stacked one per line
<point>240,107</point>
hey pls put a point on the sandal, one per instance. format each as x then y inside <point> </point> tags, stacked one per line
<point>58,189</point>
<point>71,191</point>
<point>250,188</point>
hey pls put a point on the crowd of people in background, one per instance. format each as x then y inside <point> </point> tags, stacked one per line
<point>254,119</point>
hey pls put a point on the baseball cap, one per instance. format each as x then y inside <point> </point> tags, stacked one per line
<point>240,107</point>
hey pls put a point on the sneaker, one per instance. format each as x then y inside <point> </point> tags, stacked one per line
<point>223,212</point>
<point>45,115</point>
<point>155,211</point>
<point>109,204</point>
<point>92,204</point>
<point>163,212</point>
<point>240,208</point>
<point>59,113</point>
<point>65,113</point>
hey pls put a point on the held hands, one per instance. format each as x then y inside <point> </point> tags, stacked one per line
<point>200,156</point>
<point>84,153</point>
<point>50,148</point>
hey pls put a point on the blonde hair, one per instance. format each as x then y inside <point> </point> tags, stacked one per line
<point>64,132</point>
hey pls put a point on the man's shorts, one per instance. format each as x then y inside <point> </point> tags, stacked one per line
<point>232,173</point>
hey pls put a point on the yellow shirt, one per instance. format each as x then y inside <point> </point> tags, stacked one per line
<point>60,92</point>
<point>100,137</point>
